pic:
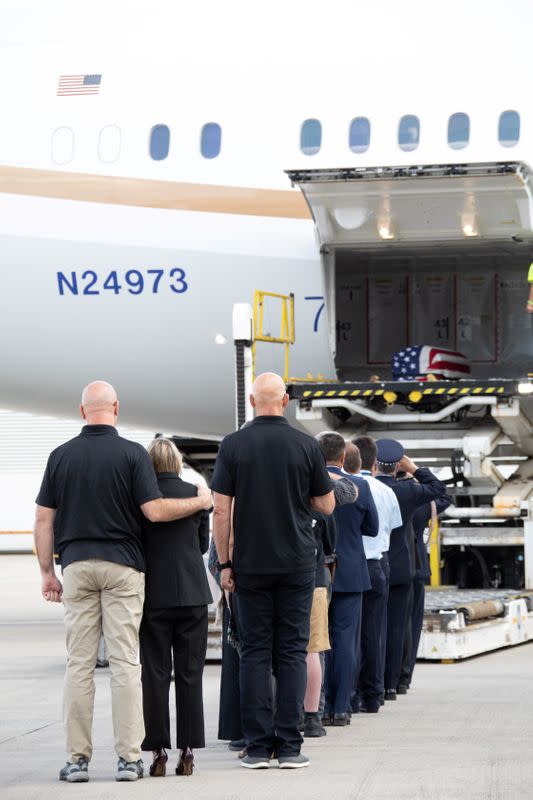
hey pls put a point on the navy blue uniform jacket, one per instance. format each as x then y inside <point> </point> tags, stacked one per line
<point>353,521</point>
<point>421,518</point>
<point>411,495</point>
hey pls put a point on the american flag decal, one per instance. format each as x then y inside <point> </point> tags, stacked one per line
<point>78,84</point>
<point>419,361</point>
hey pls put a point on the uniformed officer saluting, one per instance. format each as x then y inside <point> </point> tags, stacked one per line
<point>411,495</point>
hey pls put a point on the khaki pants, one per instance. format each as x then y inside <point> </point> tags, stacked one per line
<point>103,596</point>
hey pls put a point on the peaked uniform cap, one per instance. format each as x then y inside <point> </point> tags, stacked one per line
<point>389,451</point>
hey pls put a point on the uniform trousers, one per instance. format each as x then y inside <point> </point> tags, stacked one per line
<point>405,672</point>
<point>396,621</point>
<point>345,638</point>
<point>374,609</point>
<point>383,644</point>
<point>180,632</point>
<point>419,594</point>
<point>274,617</point>
<point>101,596</point>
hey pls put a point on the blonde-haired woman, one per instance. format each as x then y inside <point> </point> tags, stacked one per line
<point>175,619</point>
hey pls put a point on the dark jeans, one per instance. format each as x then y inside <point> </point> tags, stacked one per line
<point>396,622</point>
<point>345,640</point>
<point>229,714</point>
<point>374,609</point>
<point>419,594</point>
<point>182,632</point>
<point>274,617</point>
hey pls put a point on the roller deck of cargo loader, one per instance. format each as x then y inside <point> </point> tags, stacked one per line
<point>460,623</point>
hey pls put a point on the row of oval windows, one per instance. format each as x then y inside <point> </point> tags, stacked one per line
<point>109,140</point>
<point>409,132</point>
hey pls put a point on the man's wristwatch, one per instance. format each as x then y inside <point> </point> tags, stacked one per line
<point>225,565</point>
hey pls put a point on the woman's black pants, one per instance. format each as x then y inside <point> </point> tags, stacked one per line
<point>181,632</point>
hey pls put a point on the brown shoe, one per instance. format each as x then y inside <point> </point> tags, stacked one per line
<point>186,762</point>
<point>158,768</point>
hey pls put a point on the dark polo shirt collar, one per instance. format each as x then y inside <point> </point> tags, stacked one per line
<point>98,430</point>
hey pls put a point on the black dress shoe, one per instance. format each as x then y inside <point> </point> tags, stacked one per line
<point>401,688</point>
<point>327,720</point>
<point>370,706</point>
<point>390,694</point>
<point>340,720</point>
<point>158,768</point>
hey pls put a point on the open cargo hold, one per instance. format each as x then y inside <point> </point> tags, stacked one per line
<point>462,297</point>
<point>434,255</point>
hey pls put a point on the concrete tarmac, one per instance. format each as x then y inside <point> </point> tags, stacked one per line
<point>462,733</point>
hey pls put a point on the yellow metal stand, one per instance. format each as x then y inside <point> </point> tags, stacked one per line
<point>286,336</point>
<point>434,555</point>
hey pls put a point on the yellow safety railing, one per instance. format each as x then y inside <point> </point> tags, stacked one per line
<point>434,555</point>
<point>286,336</point>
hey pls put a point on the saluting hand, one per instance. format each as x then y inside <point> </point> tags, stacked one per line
<point>227,581</point>
<point>51,589</point>
<point>407,465</point>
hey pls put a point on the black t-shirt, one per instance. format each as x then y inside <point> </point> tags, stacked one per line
<point>97,482</point>
<point>272,470</point>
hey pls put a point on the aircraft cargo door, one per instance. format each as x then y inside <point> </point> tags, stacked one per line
<point>428,255</point>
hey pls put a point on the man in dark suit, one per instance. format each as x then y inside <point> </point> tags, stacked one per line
<point>411,495</point>
<point>351,580</point>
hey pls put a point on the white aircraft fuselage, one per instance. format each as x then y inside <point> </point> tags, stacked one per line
<point>122,267</point>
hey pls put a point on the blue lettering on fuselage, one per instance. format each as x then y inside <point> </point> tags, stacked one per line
<point>320,309</point>
<point>131,281</point>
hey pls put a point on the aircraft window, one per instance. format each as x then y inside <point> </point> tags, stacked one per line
<point>458,130</point>
<point>159,142</point>
<point>359,134</point>
<point>210,140</point>
<point>509,128</point>
<point>310,137</point>
<point>62,145</point>
<point>409,132</point>
<point>109,142</point>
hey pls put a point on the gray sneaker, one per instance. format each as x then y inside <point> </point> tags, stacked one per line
<point>293,762</point>
<point>129,770</point>
<point>254,762</point>
<point>75,771</point>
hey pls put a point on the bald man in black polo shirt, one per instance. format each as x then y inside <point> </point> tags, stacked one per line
<point>89,505</point>
<point>276,474</point>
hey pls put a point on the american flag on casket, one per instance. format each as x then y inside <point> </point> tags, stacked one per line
<point>421,360</point>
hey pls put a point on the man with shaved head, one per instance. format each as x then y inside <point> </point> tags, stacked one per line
<point>276,475</point>
<point>89,509</point>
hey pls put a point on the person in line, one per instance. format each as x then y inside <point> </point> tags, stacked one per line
<point>368,676</point>
<point>325,528</point>
<point>95,490</point>
<point>389,518</point>
<point>351,580</point>
<point>411,495</point>
<point>174,624</point>
<point>276,476</point>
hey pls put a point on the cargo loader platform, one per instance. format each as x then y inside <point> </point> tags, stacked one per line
<point>460,623</point>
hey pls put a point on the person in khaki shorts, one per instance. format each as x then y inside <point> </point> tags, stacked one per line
<point>325,530</point>
<point>89,509</point>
